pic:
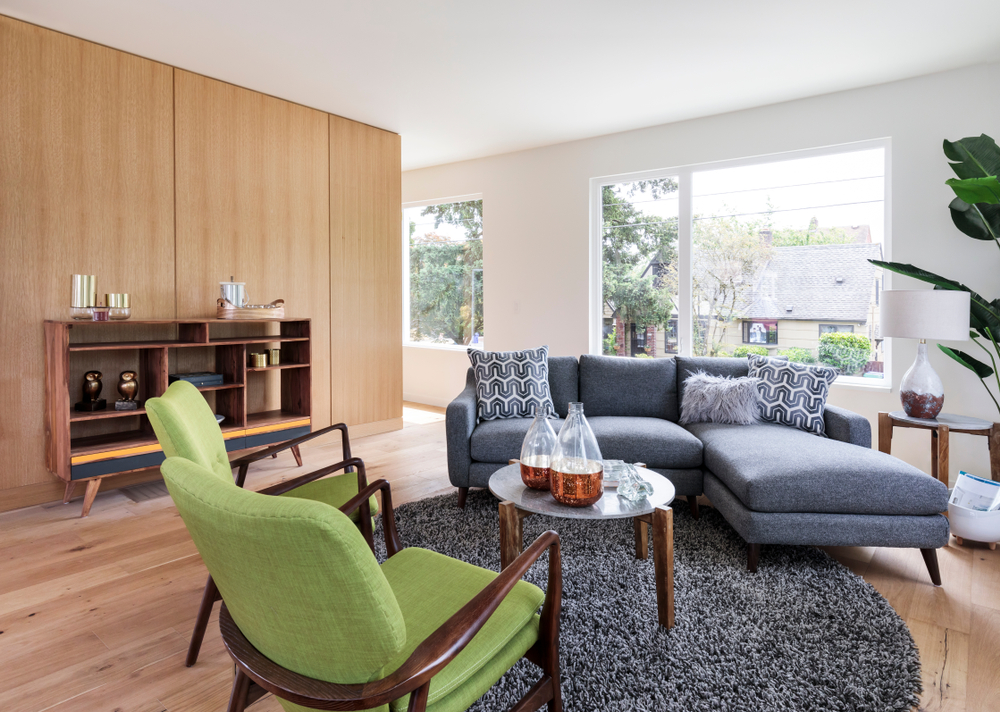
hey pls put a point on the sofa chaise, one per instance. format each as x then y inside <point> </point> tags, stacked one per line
<point>773,484</point>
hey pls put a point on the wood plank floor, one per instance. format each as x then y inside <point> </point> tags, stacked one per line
<point>96,613</point>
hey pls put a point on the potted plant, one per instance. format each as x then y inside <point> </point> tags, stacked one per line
<point>976,212</point>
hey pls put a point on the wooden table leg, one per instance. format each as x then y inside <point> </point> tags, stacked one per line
<point>994,441</point>
<point>641,538</point>
<point>68,493</point>
<point>511,535</point>
<point>88,498</point>
<point>884,433</point>
<point>663,564</point>
<point>939,453</point>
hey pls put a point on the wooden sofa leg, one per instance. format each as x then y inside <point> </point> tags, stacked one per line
<point>753,554</point>
<point>463,492</point>
<point>930,558</point>
<point>693,505</point>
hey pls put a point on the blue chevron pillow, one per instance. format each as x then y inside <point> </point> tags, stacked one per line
<point>792,394</point>
<point>511,384</point>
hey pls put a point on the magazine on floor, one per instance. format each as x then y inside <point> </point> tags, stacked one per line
<point>976,493</point>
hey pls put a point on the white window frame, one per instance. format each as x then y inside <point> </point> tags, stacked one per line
<point>405,233</point>
<point>685,230</point>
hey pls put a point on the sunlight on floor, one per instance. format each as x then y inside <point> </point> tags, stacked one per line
<point>417,414</point>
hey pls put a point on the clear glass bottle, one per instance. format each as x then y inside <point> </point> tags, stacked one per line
<point>577,470</point>
<point>536,451</point>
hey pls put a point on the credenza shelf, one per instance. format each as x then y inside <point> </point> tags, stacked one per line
<point>74,452</point>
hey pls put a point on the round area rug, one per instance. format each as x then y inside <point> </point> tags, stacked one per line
<point>803,633</point>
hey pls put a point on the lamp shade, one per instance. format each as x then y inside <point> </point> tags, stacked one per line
<point>939,314</point>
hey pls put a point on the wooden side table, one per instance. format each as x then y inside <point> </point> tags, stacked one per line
<point>940,429</point>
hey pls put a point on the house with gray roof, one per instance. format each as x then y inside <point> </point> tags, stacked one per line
<point>805,291</point>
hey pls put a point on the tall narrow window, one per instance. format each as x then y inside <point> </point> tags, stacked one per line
<point>445,275</point>
<point>639,268</point>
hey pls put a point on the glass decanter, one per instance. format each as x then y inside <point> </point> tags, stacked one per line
<point>577,470</point>
<point>536,451</point>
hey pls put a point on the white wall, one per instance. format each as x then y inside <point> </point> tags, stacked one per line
<point>536,215</point>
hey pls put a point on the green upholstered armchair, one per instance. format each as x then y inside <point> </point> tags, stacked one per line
<point>311,616</point>
<point>186,427</point>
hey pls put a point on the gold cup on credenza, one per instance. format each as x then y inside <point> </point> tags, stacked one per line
<point>84,297</point>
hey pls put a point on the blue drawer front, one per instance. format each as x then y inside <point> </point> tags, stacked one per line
<point>278,436</point>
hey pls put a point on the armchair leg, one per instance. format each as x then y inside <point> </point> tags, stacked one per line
<point>238,697</point>
<point>463,493</point>
<point>693,505</point>
<point>930,559</point>
<point>208,600</point>
<point>753,554</point>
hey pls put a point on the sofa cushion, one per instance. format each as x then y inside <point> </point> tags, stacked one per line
<point>564,382</point>
<point>657,442</point>
<point>637,387</point>
<point>511,384</point>
<point>792,394</point>
<point>773,468</point>
<point>501,440</point>
<point>688,366</point>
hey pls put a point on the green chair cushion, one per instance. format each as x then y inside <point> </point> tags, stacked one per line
<point>296,575</point>
<point>335,491</point>
<point>430,588</point>
<point>186,427</point>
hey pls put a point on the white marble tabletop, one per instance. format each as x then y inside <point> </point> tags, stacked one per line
<point>954,422</point>
<point>507,485</point>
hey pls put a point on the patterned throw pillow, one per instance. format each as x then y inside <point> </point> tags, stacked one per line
<point>792,394</point>
<point>511,384</point>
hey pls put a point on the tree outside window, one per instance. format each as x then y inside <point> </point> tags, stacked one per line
<point>446,273</point>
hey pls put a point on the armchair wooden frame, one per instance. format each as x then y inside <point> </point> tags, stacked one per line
<point>348,464</point>
<point>256,674</point>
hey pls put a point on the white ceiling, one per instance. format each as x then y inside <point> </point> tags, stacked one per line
<point>465,78</point>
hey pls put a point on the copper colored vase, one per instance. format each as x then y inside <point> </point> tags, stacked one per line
<point>577,471</point>
<point>536,451</point>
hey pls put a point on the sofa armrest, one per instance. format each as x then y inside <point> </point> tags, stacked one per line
<point>460,421</point>
<point>847,426</point>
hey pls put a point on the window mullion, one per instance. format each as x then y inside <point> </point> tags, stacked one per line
<point>685,228</point>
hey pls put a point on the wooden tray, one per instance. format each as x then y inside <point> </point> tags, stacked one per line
<point>228,310</point>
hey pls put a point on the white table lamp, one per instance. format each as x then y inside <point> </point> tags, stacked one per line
<point>938,314</point>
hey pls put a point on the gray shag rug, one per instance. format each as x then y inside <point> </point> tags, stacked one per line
<point>803,633</point>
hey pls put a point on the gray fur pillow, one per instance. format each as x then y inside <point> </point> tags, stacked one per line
<point>719,399</point>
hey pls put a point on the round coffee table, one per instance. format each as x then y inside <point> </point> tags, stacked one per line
<point>518,502</point>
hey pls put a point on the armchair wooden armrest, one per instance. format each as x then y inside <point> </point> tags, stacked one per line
<point>360,500</point>
<point>414,675</point>
<point>345,465</point>
<point>243,463</point>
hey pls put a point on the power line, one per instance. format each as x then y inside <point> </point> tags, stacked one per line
<point>752,190</point>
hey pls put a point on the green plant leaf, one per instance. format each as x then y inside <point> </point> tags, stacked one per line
<point>970,362</point>
<point>982,314</point>
<point>976,190</point>
<point>981,222</point>
<point>973,157</point>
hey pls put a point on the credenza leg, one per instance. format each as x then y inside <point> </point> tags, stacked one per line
<point>88,498</point>
<point>68,494</point>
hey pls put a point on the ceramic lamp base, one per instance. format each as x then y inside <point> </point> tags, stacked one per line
<point>921,390</point>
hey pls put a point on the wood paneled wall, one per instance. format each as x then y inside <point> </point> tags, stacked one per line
<point>301,205</point>
<point>365,272</point>
<point>253,187</point>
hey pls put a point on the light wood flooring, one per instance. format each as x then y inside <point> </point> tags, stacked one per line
<point>95,614</point>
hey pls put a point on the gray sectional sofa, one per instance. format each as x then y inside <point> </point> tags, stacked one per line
<point>773,484</point>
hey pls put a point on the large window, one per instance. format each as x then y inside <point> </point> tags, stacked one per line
<point>444,279</point>
<point>767,255</point>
